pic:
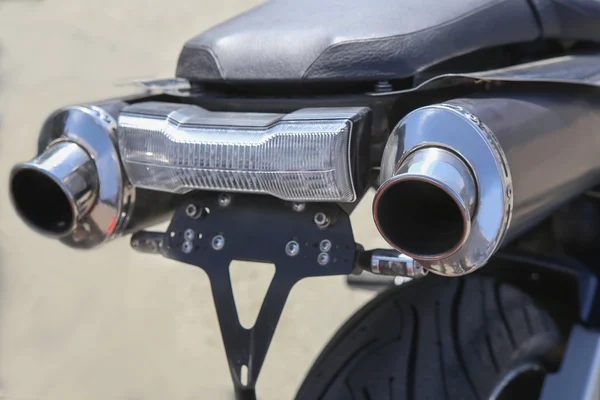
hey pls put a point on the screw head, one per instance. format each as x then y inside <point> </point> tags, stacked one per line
<point>192,210</point>
<point>299,207</point>
<point>189,235</point>
<point>321,220</point>
<point>187,247</point>
<point>323,259</point>
<point>224,199</point>
<point>218,242</point>
<point>325,245</point>
<point>292,248</point>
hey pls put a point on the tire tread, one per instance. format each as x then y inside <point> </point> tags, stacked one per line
<point>435,338</point>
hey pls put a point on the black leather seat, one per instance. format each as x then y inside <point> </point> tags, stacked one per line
<point>299,40</point>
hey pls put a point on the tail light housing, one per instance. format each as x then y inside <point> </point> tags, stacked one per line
<point>306,155</point>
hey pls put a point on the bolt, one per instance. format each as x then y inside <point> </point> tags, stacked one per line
<point>322,220</point>
<point>187,247</point>
<point>299,207</point>
<point>325,246</point>
<point>192,211</point>
<point>323,259</point>
<point>415,270</point>
<point>292,248</point>
<point>218,242</point>
<point>189,235</point>
<point>224,199</point>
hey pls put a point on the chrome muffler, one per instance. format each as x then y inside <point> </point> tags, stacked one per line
<point>462,177</point>
<point>75,189</point>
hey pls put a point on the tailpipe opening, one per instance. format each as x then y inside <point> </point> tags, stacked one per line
<point>53,191</point>
<point>53,214</point>
<point>425,210</point>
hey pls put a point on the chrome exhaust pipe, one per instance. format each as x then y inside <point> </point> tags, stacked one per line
<point>56,189</point>
<point>433,193</point>
<point>510,159</point>
<point>75,189</point>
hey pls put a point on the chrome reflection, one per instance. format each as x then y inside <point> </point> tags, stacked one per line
<point>80,157</point>
<point>477,179</point>
<point>56,189</point>
<point>392,263</point>
<point>432,197</point>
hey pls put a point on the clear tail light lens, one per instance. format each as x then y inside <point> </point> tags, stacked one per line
<point>301,156</point>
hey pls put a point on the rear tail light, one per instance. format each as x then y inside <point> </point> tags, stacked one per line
<point>301,156</point>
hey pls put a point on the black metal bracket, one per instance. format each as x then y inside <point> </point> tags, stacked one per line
<point>564,280</point>
<point>211,231</point>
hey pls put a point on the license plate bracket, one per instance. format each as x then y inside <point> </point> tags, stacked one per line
<point>210,231</point>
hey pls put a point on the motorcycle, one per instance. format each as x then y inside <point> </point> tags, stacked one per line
<point>475,122</point>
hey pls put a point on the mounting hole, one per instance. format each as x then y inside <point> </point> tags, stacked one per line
<point>244,375</point>
<point>172,234</point>
<point>206,211</point>
<point>200,236</point>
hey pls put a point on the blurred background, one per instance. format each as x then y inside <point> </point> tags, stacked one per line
<point>110,323</point>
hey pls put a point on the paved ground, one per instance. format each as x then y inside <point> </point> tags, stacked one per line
<point>110,323</point>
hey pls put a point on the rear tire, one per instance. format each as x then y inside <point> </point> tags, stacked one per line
<point>440,339</point>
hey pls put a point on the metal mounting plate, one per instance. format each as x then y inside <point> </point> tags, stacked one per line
<point>256,228</point>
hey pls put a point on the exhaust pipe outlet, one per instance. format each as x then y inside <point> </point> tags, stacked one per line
<point>446,199</point>
<point>433,194</point>
<point>75,189</point>
<point>463,177</point>
<point>56,189</point>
